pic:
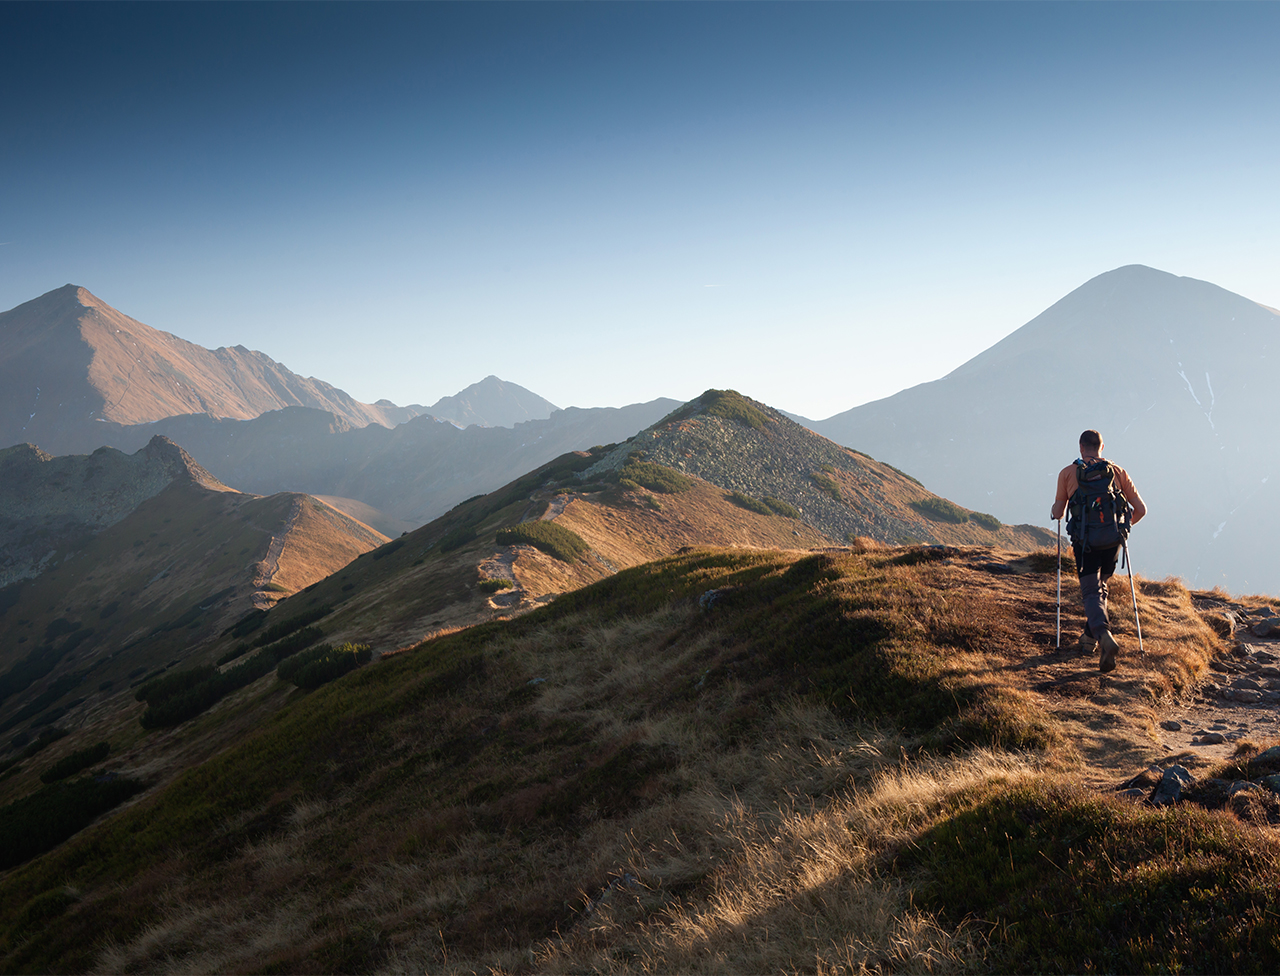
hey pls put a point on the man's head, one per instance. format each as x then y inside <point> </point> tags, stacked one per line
<point>1090,442</point>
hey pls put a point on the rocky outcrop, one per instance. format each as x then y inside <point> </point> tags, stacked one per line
<point>51,503</point>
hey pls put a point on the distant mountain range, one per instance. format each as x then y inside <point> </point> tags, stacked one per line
<point>1179,376</point>
<point>74,371</point>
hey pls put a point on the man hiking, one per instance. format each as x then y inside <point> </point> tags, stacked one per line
<point>1098,495</point>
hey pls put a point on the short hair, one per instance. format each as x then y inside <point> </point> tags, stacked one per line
<point>1091,439</point>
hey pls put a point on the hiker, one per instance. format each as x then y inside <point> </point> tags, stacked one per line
<point>1098,495</point>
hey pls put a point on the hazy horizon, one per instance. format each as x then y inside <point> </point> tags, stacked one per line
<point>819,205</point>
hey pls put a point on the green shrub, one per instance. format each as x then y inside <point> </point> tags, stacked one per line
<point>494,584</point>
<point>457,538</point>
<point>940,510</point>
<point>387,549</point>
<point>749,503</point>
<point>175,683</point>
<point>240,650</point>
<point>72,764</point>
<point>29,670</point>
<point>985,520</point>
<point>40,822</point>
<point>194,699</point>
<point>57,688</point>
<point>903,473</point>
<point>555,540</point>
<point>781,507</point>
<point>651,502</point>
<point>286,627</point>
<point>247,624</point>
<point>323,664</point>
<point>655,477</point>
<point>828,486</point>
<point>732,405</point>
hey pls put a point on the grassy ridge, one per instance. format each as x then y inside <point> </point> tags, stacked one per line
<point>721,761</point>
<point>429,739</point>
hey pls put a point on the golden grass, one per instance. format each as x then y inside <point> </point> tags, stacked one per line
<point>421,846</point>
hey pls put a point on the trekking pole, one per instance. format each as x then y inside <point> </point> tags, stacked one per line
<point>1058,643</point>
<point>1134,593</point>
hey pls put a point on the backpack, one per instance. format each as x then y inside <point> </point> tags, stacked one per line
<point>1098,512</point>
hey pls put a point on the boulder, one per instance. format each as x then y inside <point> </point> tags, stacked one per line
<point>1169,725</point>
<point>1172,783</point>
<point>1245,696</point>
<point>1265,628</point>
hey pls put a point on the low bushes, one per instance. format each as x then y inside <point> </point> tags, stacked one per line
<point>750,504</point>
<point>781,507</point>
<point>655,477</point>
<point>827,485</point>
<point>294,623</point>
<point>555,540</point>
<point>985,520</point>
<point>940,510</point>
<point>493,585</point>
<point>192,698</point>
<point>323,664</point>
<point>43,820</point>
<point>72,764</point>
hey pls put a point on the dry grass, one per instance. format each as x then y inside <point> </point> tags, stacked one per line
<point>622,786</point>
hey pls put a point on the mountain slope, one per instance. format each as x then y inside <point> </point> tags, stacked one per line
<point>68,359</point>
<point>149,588</point>
<point>1176,375</point>
<point>748,447</point>
<point>641,778</point>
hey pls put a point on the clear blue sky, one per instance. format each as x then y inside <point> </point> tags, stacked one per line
<point>817,205</point>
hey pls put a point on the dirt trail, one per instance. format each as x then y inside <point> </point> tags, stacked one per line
<point>1117,722</point>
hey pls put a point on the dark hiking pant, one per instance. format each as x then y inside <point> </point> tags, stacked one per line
<point>1096,567</point>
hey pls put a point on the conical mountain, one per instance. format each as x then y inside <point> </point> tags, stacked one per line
<point>69,360</point>
<point>1175,374</point>
<point>492,403</point>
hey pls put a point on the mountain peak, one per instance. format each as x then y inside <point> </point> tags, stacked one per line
<point>68,361</point>
<point>769,462</point>
<point>492,402</point>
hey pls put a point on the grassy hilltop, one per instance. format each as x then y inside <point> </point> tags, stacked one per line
<point>722,761</point>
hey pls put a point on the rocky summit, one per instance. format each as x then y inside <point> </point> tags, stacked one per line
<point>767,459</point>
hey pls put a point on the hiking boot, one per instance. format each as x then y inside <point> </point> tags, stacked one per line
<point>1087,643</point>
<point>1109,647</point>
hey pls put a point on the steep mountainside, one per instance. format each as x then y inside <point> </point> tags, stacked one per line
<point>49,504</point>
<point>740,445</point>
<point>123,594</point>
<point>410,473</point>
<point>68,360</point>
<point>1177,374</point>
<point>492,403</point>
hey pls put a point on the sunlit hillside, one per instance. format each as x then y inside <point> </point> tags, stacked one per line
<point>724,761</point>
